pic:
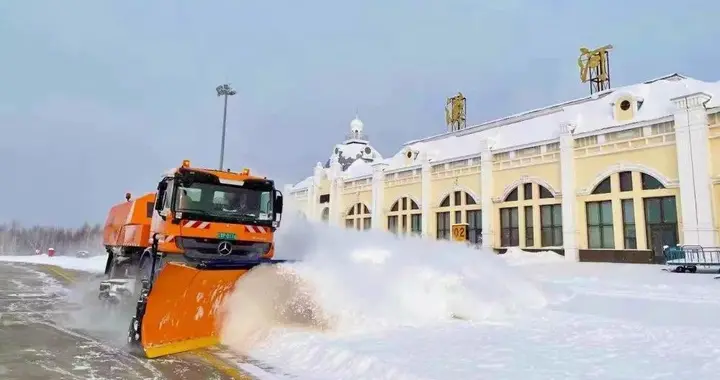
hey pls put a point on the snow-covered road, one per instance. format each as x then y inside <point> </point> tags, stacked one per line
<point>45,335</point>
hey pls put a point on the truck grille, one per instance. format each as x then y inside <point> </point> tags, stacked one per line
<point>204,248</point>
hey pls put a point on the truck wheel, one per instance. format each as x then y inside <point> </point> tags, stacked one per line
<point>143,273</point>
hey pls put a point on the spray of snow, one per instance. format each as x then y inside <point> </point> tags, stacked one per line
<point>109,323</point>
<point>348,282</point>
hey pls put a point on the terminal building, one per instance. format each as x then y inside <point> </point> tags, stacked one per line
<point>614,176</point>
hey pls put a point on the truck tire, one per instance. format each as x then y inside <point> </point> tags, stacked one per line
<point>143,273</point>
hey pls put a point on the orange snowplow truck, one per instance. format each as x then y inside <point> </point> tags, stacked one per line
<point>178,252</point>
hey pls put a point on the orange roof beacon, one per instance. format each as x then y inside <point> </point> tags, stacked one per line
<point>178,252</point>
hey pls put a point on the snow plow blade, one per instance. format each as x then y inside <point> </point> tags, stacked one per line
<point>182,310</point>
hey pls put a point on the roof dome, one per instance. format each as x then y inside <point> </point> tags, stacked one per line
<point>356,125</point>
<point>355,147</point>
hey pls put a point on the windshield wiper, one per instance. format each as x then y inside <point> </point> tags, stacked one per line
<point>231,214</point>
<point>195,211</point>
<point>242,216</point>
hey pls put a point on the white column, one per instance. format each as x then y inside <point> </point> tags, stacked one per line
<point>335,193</point>
<point>313,212</point>
<point>693,155</point>
<point>378,195</point>
<point>426,197</point>
<point>333,205</point>
<point>567,187</point>
<point>486,193</point>
<point>341,207</point>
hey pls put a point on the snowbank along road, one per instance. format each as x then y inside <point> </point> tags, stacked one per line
<point>45,335</point>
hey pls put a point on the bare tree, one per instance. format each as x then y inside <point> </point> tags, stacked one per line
<point>16,239</point>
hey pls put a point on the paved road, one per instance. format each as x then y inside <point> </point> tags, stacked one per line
<point>45,334</point>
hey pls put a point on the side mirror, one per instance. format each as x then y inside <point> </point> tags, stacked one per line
<point>277,208</point>
<point>159,202</point>
<point>160,198</point>
<point>278,205</point>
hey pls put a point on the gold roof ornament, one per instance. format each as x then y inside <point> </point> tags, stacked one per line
<point>595,68</point>
<point>455,112</point>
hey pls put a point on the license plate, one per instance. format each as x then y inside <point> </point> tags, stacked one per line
<point>226,236</point>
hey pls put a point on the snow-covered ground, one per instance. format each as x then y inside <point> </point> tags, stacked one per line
<point>389,305</point>
<point>396,308</point>
<point>95,264</point>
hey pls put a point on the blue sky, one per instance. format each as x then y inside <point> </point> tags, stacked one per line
<point>100,97</point>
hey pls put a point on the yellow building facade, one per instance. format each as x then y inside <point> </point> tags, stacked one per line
<point>611,177</point>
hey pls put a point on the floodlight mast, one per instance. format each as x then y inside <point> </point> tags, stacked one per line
<point>224,90</point>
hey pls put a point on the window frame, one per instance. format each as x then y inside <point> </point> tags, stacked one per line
<point>628,225</point>
<point>393,221</point>
<point>509,234</point>
<point>529,227</point>
<point>601,225</point>
<point>442,230</point>
<point>554,227</point>
<point>474,229</point>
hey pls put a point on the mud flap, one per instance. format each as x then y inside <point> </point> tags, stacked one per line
<point>182,309</point>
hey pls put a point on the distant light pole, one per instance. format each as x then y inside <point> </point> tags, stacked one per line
<point>224,90</point>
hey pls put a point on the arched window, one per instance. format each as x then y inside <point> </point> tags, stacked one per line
<point>647,209</point>
<point>450,211</point>
<point>358,216</point>
<point>403,210</point>
<point>603,187</point>
<point>525,207</point>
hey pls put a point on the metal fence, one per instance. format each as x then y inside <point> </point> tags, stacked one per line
<point>688,258</point>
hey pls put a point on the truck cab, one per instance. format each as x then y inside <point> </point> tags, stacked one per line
<point>213,217</point>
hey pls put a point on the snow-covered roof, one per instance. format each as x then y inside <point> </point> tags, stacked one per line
<point>589,114</point>
<point>304,184</point>
<point>358,168</point>
<point>351,151</point>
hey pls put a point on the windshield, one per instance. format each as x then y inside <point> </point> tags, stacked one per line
<point>224,201</point>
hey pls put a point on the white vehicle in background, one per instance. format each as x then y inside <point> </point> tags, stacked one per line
<point>82,254</point>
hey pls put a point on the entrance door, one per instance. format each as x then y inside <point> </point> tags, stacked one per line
<point>661,235</point>
<point>661,223</point>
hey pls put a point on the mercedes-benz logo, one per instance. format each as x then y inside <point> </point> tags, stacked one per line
<point>224,248</point>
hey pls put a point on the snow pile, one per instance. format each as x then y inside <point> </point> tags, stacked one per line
<point>516,256</point>
<point>359,283</point>
<point>95,264</point>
